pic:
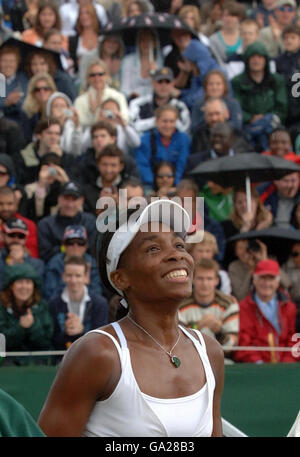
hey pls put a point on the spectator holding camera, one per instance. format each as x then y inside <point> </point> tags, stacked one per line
<point>48,139</point>
<point>127,137</point>
<point>42,194</point>
<point>59,106</point>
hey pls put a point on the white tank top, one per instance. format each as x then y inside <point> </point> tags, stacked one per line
<point>129,412</point>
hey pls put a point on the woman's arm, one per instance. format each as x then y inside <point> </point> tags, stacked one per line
<point>89,372</point>
<point>216,358</point>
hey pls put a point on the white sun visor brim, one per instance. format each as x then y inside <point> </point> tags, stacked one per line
<point>164,211</point>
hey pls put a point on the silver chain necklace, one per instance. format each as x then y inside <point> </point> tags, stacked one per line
<point>174,359</point>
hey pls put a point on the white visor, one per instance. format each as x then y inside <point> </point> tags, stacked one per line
<point>164,211</point>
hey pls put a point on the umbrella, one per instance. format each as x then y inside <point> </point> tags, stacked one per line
<point>26,49</point>
<point>128,26</point>
<point>243,168</point>
<point>278,240</point>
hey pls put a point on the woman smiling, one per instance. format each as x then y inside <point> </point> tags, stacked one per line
<point>144,375</point>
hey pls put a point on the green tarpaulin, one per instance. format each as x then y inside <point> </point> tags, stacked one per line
<point>260,400</point>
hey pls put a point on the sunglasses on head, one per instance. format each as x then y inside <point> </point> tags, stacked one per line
<point>21,236</point>
<point>100,73</point>
<point>295,254</point>
<point>40,89</point>
<point>75,242</point>
<point>287,8</point>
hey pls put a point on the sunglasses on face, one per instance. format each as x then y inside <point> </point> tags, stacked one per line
<point>93,75</point>
<point>3,173</point>
<point>289,9</point>
<point>166,81</point>
<point>21,236</point>
<point>75,242</point>
<point>44,88</point>
<point>295,254</point>
<point>166,175</point>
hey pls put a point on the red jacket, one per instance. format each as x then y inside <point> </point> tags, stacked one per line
<point>32,239</point>
<point>255,328</point>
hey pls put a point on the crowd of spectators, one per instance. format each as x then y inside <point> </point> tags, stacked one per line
<point>85,114</point>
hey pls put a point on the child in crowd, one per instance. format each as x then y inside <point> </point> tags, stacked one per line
<point>208,249</point>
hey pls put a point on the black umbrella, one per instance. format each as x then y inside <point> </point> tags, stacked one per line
<point>26,49</point>
<point>278,240</point>
<point>241,169</point>
<point>129,26</point>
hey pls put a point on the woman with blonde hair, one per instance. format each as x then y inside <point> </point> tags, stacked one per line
<point>85,42</point>
<point>47,18</point>
<point>138,66</point>
<point>191,16</point>
<point>95,91</point>
<point>40,87</point>
<point>135,7</point>
<point>42,61</point>
<point>207,248</point>
<point>242,220</point>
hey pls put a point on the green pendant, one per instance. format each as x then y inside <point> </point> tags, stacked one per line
<point>176,361</point>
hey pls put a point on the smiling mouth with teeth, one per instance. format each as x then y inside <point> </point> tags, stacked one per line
<point>177,274</point>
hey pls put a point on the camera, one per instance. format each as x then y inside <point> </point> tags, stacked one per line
<point>67,112</point>
<point>108,113</point>
<point>52,171</point>
<point>253,246</point>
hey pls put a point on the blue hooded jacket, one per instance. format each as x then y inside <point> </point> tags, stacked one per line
<point>197,53</point>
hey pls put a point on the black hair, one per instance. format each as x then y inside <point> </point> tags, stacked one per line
<point>102,243</point>
<point>158,166</point>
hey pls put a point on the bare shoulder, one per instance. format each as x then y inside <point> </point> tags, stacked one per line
<point>215,354</point>
<point>90,351</point>
<point>214,351</point>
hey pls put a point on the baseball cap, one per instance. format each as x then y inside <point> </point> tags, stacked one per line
<point>163,73</point>
<point>168,212</point>
<point>15,225</point>
<point>75,232</point>
<point>267,267</point>
<point>286,2</point>
<point>71,188</point>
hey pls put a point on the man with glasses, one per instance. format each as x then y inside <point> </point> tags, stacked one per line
<point>15,233</point>
<point>9,208</point>
<point>142,109</point>
<point>271,36</point>
<point>267,318</point>
<point>74,243</point>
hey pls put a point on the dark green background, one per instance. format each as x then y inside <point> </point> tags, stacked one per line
<point>260,400</point>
